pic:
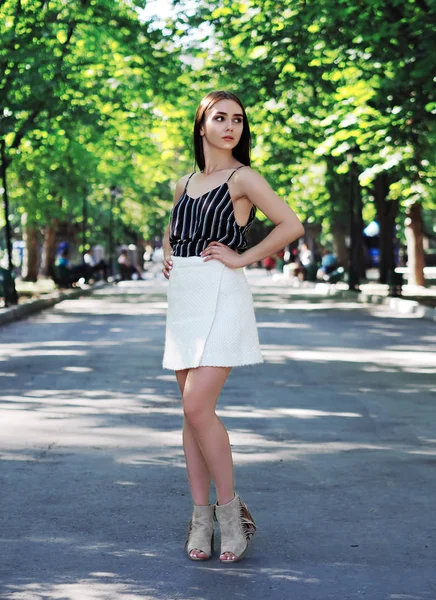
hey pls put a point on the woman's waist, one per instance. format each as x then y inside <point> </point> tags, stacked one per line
<point>213,264</point>
<point>179,252</point>
<point>185,247</point>
<point>182,259</point>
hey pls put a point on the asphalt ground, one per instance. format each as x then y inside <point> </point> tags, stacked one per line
<point>334,444</point>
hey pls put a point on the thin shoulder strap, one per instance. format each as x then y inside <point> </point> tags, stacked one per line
<point>231,174</point>
<point>186,184</point>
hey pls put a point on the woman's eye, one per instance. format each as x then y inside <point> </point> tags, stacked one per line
<point>237,120</point>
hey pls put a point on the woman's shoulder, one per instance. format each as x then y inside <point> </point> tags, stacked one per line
<point>245,174</point>
<point>180,186</point>
<point>184,179</point>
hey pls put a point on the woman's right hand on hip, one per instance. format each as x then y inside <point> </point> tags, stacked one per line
<point>167,266</point>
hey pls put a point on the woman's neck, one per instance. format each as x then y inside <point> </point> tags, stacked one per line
<point>217,160</point>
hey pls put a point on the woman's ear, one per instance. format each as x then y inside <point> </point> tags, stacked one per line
<point>202,131</point>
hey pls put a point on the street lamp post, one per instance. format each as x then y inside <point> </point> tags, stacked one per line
<point>352,275</point>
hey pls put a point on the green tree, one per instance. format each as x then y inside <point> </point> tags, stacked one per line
<point>81,84</point>
<point>329,79</point>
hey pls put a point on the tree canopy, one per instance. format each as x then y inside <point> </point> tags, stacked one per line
<point>94,95</point>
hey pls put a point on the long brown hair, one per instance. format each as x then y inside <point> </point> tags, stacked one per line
<point>242,151</point>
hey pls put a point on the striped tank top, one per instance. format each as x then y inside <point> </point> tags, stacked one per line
<point>195,222</point>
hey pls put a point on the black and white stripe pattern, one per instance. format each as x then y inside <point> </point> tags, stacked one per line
<point>195,222</point>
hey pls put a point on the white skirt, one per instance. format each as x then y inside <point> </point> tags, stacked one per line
<point>210,317</point>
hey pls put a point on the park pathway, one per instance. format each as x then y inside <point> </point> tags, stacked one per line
<point>334,442</point>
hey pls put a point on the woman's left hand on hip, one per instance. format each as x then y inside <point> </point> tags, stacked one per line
<point>221,252</point>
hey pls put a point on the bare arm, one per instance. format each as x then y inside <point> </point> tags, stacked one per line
<point>177,193</point>
<point>180,186</point>
<point>166,242</point>
<point>288,226</point>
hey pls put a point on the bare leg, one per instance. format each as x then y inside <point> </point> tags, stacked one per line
<point>200,394</point>
<point>198,472</point>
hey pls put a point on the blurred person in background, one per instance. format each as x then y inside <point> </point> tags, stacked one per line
<point>269,263</point>
<point>329,263</point>
<point>304,259</point>
<point>94,269</point>
<point>127,269</point>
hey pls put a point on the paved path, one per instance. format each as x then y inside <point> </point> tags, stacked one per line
<point>333,437</point>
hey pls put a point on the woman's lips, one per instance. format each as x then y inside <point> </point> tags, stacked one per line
<point>228,137</point>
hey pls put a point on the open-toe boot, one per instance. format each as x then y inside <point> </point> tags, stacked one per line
<point>237,528</point>
<point>200,532</point>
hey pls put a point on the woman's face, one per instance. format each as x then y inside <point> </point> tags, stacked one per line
<point>223,124</point>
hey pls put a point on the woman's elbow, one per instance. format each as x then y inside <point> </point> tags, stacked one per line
<point>296,229</point>
<point>301,230</point>
<point>292,228</point>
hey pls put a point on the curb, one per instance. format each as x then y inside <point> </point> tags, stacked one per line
<point>400,305</point>
<point>15,313</point>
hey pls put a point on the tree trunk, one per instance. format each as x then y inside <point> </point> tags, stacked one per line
<point>415,249</point>
<point>337,187</point>
<point>387,211</point>
<point>31,257</point>
<point>49,248</point>
<point>10,293</point>
<point>356,267</point>
<point>339,232</point>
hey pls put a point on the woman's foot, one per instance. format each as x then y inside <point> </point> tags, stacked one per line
<point>199,541</point>
<point>228,556</point>
<point>197,554</point>
<point>237,528</point>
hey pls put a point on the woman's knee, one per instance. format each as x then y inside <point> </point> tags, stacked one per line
<point>196,413</point>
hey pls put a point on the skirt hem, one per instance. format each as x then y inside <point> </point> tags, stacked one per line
<point>240,364</point>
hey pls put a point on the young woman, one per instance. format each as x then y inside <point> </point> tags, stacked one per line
<point>210,324</point>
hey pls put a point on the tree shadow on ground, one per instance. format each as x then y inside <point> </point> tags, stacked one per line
<point>333,444</point>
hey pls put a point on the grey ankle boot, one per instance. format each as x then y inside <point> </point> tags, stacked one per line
<point>237,527</point>
<point>200,533</point>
